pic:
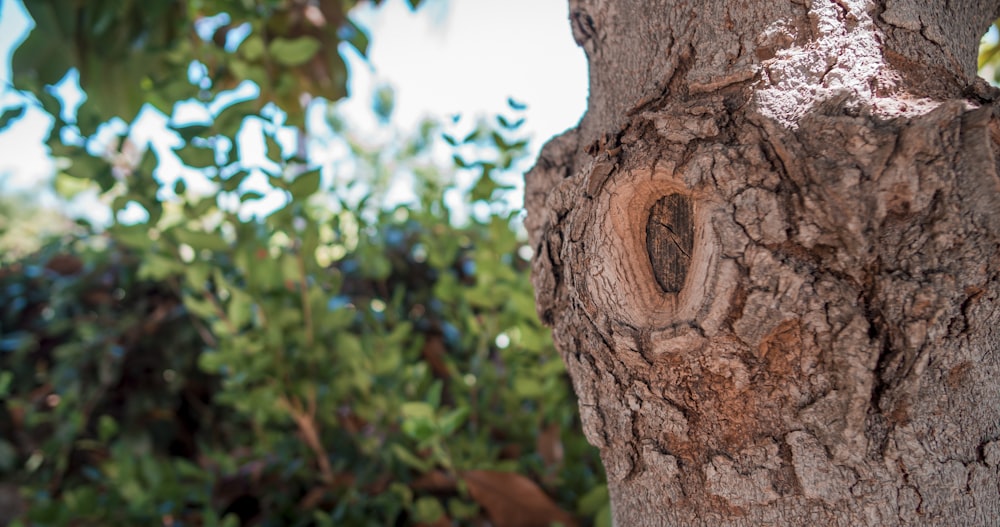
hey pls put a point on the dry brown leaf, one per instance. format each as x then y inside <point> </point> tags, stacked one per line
<point>549,445</point>
<point>512,500</point>
<point>436,481</point>
<point>434,353</point>
<point>65,264</point>
<point>511,451</point>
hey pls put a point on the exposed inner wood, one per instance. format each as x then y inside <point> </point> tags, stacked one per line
<point>670,240</point>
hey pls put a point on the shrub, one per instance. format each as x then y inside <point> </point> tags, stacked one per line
<point>329,363</point>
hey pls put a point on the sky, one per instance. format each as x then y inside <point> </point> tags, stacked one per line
<point>479,53</point>
<point>449,57</point>
<point>23,158</point>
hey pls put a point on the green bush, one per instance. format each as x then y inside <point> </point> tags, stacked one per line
<point>332,359</point>
<point>334,362</point>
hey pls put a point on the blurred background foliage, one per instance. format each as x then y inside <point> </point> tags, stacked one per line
<point>270,340</point>
<point>989,55</point>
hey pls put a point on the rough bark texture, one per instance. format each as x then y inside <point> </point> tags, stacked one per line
<point>769,254</point>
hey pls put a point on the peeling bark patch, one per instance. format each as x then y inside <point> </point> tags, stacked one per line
<point>670,240</point>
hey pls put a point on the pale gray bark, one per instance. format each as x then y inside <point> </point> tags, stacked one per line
<point>833,354</point>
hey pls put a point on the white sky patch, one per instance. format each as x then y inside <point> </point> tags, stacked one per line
<point>481,53</point>
<point>13,23</point>
<point>24,159</point>
<point>253,149</point>
<point>68,91</point>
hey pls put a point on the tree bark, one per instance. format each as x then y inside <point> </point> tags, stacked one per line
<point>769,254</point>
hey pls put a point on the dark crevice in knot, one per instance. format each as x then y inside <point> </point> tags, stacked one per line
<point>670,240</point>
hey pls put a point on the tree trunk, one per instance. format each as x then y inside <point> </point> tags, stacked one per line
<point>769,254</point>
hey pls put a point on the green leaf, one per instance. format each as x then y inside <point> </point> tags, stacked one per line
<point>196,274</point>
<point>290,269</point>
<point>273,149</point>
<point>85,166</point>
<point>151,472</point>
<point>188,470</point>
<point>427,510</point>
<point>419,421</point>
<point>155,266</point>
<point>196,156</point>
<point>211,362</point>
<point>230,118</point>
<point>348,345</point>
<point>499,141</point>
<point>305,184</point>
<point>200,307</point>
<point>107,427</point>
<point>452,420</point>
<point>180,186</point>
<point>417,409</point>
<point>68,186</point>
<point>234,181</point>
<point>593,501</point>
<point>249,195</point>
<point>484,187</point>
<point>462,510</point>
<point>603,517</point>
<point>293,52</point>
<point>528,388</point>
<point>252,48</point>
<point>504,122</point>
<point>240,308</point>
<point>10,115</point>
<point>384,102</point>
<point>6,378</point>
<point>190,131</point>
<point>199,240</point>
<point>421,465</point>
<point>135,236</point>
<point>515,105</point>
<point>434,394</point>
<point>356,36</point>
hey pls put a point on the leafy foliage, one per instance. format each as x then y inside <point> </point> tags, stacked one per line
<point>25,225</point>
<point>376,365</point>
<point>272,341</point>
<point>130,53</point>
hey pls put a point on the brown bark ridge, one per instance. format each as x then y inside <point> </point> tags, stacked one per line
<point>769,254</point>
